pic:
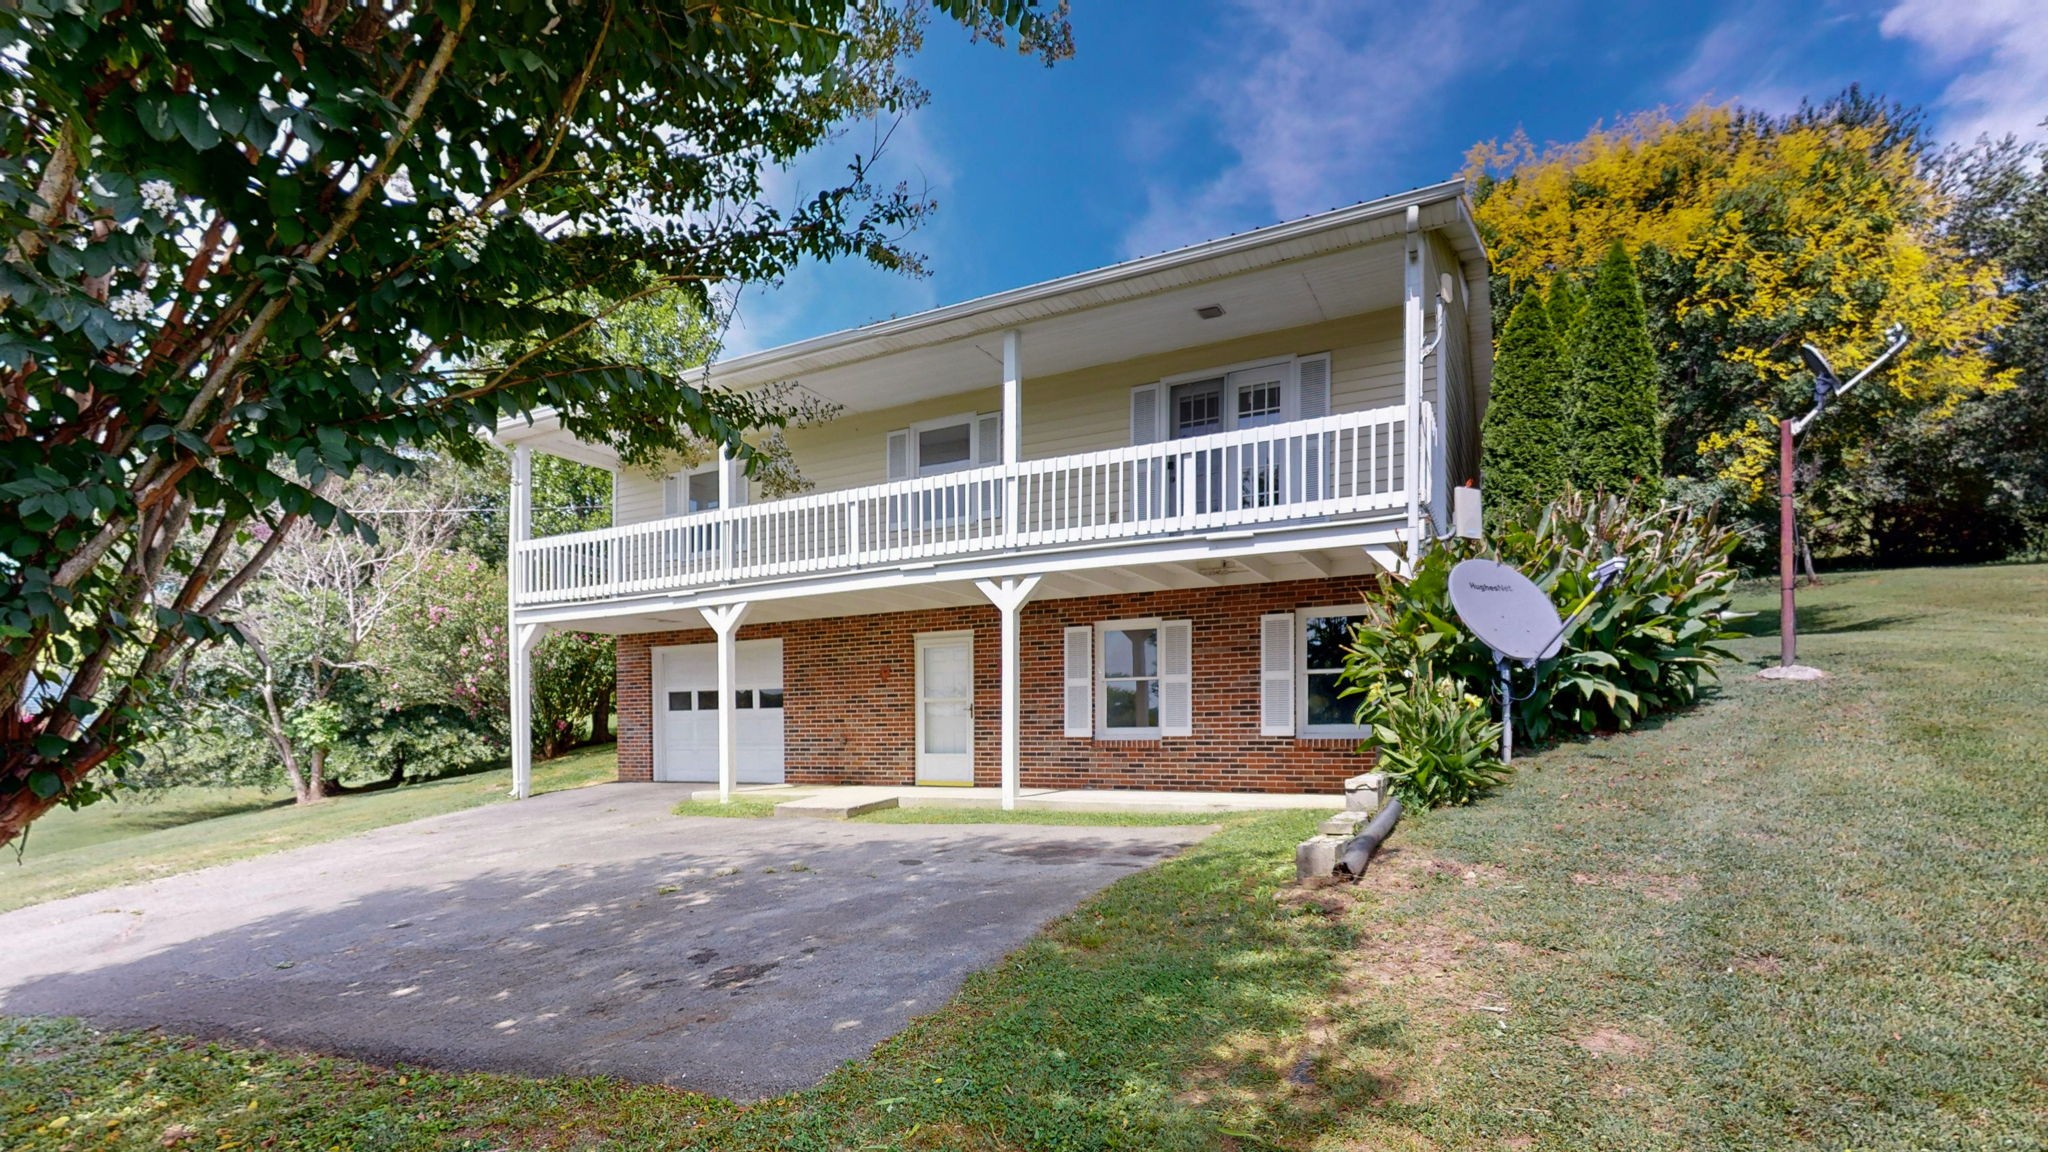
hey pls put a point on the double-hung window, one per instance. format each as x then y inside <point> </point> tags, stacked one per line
<point>695,490</point>
<point>1325,637</point>
<point>1130,678</point>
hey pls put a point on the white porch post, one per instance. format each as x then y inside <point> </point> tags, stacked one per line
<point>725,621</point>
<point>1009,595</point>
<point>725,495</point>
<point>1013,430</point>
<point>519,651</point>
<point>1411,378</point>
<point>520,638</point>
<point>1013,396</point>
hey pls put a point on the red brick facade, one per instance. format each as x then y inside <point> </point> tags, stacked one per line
<point>849,696</point>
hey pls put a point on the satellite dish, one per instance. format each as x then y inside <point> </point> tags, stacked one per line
<point>1506,610</point>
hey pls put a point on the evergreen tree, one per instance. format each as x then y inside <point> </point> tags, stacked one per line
<point>1523,437</point>
<point>1566,302</point>
<point>1614,440</point>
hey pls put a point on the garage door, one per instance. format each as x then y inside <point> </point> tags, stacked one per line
<point>686,711</point>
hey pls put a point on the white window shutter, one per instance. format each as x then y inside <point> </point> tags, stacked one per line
<point>1313,394</point>
<point>1145,414</point>
<point>1080,674</point>
<point>988,433</point>
<point>899,454</point>
<point>1276,674</point>
<point>672,488</point>
<point>1176,678</point>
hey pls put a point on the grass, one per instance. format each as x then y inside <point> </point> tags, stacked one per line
<point>1802,916</point>
<point>741,807</point>
<point>140,838</point>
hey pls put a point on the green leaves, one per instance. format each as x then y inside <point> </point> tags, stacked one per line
<point>1645,645</point>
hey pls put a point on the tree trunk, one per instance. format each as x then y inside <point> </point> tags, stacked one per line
<point>601,717</point>
<point>1806,560</point>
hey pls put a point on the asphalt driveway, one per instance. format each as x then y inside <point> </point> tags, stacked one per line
<point>579,932</point>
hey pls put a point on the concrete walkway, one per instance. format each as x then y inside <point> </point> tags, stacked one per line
<point>588,931</point>
<point>852,800</point>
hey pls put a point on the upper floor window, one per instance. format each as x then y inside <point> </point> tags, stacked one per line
<point>948,444</point>
<point>695,490</point>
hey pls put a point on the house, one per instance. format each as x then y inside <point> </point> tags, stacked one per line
<point>1104,531</point>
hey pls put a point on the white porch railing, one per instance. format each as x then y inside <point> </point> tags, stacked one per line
<point>1336,465</point>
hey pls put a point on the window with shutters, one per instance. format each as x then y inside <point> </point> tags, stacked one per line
<point>949,444</point>
<point>1129,684</point>
<point>1324,636</point>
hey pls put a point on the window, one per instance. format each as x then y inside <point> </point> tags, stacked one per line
<point>1258,403</point>
<point>679,701</point>
<point>949,444</point>
<point>1325,633</point>
<point>692,491</point>
<point>1130,678</point>
<point>946,448</point>
<point>1197,408</point>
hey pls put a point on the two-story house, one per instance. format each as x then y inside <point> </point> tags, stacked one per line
<point>1106,531</point>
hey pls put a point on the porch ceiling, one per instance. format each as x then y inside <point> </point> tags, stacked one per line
<point>1350,282</point>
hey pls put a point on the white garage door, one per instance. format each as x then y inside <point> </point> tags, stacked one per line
<point>686,712</point>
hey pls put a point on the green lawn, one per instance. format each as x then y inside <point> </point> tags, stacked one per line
<point>143,837</point>
<point>1808,916</point>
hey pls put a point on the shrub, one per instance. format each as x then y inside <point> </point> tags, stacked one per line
<point>1523,437</point>
<point>1646,646</point>
<point>1615,443</point>
<point>1437,744</point>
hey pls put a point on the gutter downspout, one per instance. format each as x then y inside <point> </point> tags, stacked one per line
<point>1411,376</point>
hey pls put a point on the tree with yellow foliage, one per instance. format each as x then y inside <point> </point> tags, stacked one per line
<point>1752,233</point>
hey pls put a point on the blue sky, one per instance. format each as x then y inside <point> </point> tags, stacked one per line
<point>1181,120</point>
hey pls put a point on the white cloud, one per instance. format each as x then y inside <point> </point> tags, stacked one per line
<point>2001,47</point>
<point>1749,59</point>
<point>1313,99</point>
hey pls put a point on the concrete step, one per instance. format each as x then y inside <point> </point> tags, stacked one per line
<point>840,803</point>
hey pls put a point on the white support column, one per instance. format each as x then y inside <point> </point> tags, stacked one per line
<point>725,621</point>
<point>520,653</point>
<point>1013,430</point>
<point>521,528</point>
<point>1411,378</point>
<point>520,638</point>
<point>725,503</point>
<point>1013,396</point>
<point>1009,595</point>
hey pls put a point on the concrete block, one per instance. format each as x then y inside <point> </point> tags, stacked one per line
<point>1344,824</point>
<point>1366,792</point>
<point>1316,857</point>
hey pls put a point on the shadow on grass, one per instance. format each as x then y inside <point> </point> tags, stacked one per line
<point>1822,620</point>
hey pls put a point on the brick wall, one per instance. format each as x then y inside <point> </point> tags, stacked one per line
<point>849,688</point>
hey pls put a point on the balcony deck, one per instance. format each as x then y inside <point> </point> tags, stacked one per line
<point>1344,468</point>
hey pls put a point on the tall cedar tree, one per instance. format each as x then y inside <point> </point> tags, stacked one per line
<point>1614,440</point>
<point>1567,302</point>
<point>1523,437</point>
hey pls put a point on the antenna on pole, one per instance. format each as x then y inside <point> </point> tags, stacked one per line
<point>1827,386</point>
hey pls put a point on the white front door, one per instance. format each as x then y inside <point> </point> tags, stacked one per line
<point>686,712</point>
<point>945,708</point>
